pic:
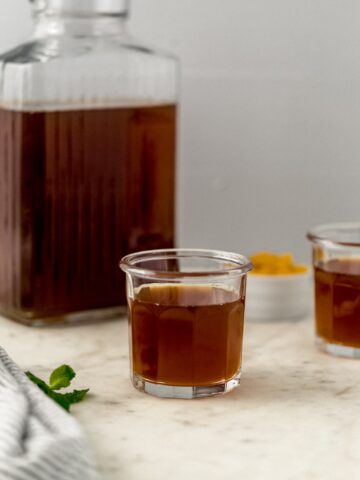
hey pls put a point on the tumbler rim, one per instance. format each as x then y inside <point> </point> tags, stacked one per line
<point>236,264</point>
<point>336,234</point>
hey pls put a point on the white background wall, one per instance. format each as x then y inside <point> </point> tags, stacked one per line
<point>270,117</point>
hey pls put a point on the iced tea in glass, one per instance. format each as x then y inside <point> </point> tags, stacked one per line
<point>186,313</point>
<point>336,259</point>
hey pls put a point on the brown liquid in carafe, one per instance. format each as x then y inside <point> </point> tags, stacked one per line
<point>186,335</point>
<point>337,301</point>
<point>78,190</point>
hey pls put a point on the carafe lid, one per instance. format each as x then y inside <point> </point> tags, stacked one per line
<point>82,7</point>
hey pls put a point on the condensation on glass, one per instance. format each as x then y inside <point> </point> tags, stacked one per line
<point>87,161</point>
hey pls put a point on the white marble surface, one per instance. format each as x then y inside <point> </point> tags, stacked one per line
<point>296,415</point>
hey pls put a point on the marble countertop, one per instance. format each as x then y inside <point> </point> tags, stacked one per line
<point>295,416</point>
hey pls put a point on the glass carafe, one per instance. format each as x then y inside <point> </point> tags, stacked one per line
<point>87,161</point>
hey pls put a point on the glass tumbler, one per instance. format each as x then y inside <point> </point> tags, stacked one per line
<point>186,318</point>
<point>336,260</point>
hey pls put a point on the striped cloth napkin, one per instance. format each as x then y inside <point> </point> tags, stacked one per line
<point>38,439</point>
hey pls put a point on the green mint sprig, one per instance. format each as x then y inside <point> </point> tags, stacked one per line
<point>60,378</point>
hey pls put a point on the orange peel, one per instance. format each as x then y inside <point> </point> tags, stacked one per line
<point>268,263</point>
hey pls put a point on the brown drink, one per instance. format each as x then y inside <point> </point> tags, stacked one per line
<point>79,190</point>
<point>186,335</point>
<point>337,294</point>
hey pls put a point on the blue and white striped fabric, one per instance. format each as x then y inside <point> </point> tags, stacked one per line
<point>38,440</point>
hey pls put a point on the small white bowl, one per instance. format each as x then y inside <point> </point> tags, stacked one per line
<point>278,297</point>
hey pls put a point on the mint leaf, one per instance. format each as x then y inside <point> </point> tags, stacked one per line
<point>61,399</point>
<point>61,377</point>
<point>40,383</point>
<point>76,396</point>
<point>57,397</point>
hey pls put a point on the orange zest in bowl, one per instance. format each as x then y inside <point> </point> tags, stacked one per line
<point>268,263</point>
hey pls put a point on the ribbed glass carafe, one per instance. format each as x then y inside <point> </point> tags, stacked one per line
<point>87,161</point>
